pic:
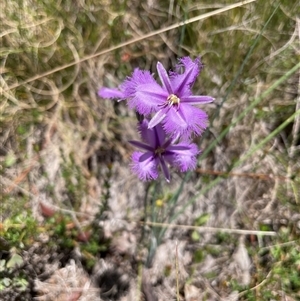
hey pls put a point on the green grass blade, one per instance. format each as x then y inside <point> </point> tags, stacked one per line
<point>248,55</point>
<point>254,149</point>
<point>248,109</point>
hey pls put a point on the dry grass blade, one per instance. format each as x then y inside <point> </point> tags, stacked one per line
<point>133,41</point>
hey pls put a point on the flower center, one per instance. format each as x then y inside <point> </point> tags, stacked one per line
<point>173,100</point>
<point>159,151</point>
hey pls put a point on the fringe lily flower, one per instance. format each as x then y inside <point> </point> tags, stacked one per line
<point>158,151</point>
<point>172,101</point>
<point>167,117</point>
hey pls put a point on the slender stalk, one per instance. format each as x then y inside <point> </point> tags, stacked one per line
<point>212,229</point>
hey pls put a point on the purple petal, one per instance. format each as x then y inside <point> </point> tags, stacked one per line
<point>187,63</point>
<point>147,98</point>
<point>197,99</point>
<point>183,156</point>
<point>160,135</point>
<point>141,145</point>
<point>157,118</point>
<point>143,130</point>
<point>163,75</point>
<point>155,136</point>
<point>111,93</point>
<point>143,92</point>
<point>146,156</point>
<point>177,148</point>
<point>187,160</point>
<point>146,170</point>
<point>138,77</point>
<point>151,138</point>
<point>182,82</point>
<point>168,142</point>
<point>185,121</point>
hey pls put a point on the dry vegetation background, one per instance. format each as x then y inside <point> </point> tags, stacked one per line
<point>76,224</point>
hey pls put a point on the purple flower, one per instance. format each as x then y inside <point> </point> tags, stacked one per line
<point>159,150</point>
<point>173,101</point>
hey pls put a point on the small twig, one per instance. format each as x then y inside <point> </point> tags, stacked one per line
<point>284,244</point>
<point>212,229</point>
<point>256,286</point>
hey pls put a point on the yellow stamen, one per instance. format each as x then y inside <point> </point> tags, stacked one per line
<point>173,99</point>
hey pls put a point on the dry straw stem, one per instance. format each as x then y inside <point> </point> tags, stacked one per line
<point>257,286</point>
<point>132,41</point>
<point>211,229</point>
